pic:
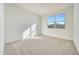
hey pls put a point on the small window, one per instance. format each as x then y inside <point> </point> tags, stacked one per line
<point>56,21</point>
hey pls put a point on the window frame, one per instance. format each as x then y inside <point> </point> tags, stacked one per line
<point>55,21</point>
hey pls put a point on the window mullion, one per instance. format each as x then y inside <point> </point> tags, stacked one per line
<point>54,22</point>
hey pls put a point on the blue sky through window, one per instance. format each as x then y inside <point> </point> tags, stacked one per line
<point>50,19</point>
<point>59,19</point>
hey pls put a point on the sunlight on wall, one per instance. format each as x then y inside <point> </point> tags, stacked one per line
<point>33,30</point>
<point>26,33</point>
<point>30,32</point>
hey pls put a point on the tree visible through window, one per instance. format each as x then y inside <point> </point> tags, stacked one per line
<point>56,21</point>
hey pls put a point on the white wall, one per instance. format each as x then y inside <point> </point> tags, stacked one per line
<point>1,29</point>
<point>60,33</point>
<point>76,25</point>
<point>17,20</point>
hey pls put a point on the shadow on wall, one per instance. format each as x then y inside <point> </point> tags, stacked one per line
<point>30,32</point>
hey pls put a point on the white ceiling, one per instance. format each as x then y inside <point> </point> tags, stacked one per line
<point>43,8</point>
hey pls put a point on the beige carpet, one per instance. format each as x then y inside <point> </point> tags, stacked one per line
<point>41,45</point>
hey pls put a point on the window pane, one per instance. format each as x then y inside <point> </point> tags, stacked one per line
<point>60,20</point>
<point>60,17</point>
<point>51,22</point>
<point>57,21</point>
<point>50,19</point>
<point>60,25</point>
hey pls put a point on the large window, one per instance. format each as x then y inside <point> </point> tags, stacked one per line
<point>56,21</point>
